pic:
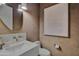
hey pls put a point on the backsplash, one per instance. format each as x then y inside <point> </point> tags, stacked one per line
<point>13,37</point>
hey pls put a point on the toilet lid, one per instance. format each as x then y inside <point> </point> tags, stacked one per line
<point>43,51</point>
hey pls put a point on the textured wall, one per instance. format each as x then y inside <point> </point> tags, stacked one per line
<point>30,21</point>
<point>70,46</point>
<point>3,28</point>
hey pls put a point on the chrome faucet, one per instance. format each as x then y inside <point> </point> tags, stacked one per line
<point>1,45</point>
<point>15,38</point>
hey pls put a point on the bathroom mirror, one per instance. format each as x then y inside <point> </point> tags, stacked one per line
<point>6,16</point>
<point>17,16</point>
<point>10,16</point>
<point>56,20</point>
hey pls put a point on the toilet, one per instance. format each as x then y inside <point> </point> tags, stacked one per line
<point>42,51</point>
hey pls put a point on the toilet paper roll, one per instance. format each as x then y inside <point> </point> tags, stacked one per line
<point>56,46</point>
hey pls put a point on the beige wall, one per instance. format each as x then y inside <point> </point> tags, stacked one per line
<point>3,28</point>
<point>30,22</point>
<point>70,46</point>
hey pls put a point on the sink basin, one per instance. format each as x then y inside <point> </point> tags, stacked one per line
<point>23,48</point>
<point>14,47</point>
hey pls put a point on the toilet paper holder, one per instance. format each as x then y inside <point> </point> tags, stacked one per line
<point>57,46</point>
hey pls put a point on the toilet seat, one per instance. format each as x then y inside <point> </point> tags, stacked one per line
<point>44,52</point>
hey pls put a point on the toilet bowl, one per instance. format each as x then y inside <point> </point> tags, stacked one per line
<point>42,51</point>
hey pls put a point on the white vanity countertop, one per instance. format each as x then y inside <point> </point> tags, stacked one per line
<point>19,51</point>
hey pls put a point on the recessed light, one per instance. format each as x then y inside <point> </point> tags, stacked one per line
<point>19,8</point>
<point>24,6</point>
